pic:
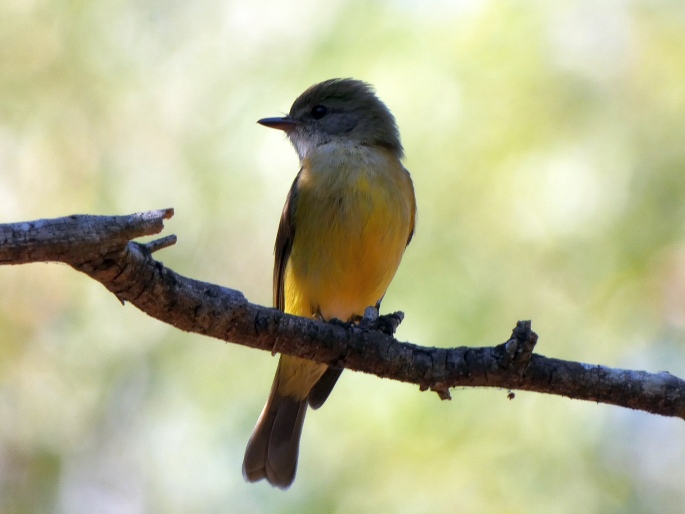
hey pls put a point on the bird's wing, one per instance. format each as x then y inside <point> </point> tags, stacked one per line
<point>284,243</point>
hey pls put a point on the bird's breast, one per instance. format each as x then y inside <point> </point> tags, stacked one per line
<point>352,219</point>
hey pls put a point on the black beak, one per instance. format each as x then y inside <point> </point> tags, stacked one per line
<point>286,123</point>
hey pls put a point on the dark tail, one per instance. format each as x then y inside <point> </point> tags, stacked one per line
<point>272,450</point>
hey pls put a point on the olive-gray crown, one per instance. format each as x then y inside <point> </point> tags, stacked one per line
<point>342,109</point>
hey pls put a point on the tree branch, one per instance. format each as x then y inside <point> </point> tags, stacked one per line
<point>101,247</point>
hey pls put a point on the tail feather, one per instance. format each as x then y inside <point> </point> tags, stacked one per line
<point>272,450</point>
<point>323,387</point>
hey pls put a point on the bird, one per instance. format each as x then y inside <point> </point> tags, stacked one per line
<point>348,217</point>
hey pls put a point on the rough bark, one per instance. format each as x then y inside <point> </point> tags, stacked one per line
<point>102,248</point>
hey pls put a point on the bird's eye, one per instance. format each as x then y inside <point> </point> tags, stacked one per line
<point>319,111</point>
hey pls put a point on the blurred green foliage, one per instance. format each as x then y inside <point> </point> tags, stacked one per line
<point>547,146</point>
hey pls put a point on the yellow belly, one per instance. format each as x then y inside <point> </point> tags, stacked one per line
<point>353,216</point>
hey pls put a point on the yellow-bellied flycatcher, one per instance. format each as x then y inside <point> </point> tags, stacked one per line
<point>348,217</point>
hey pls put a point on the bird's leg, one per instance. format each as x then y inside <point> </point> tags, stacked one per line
<point>371,320</point>
<point>387,323</point>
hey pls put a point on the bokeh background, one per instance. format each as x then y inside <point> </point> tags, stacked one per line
<point>547,146</point>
